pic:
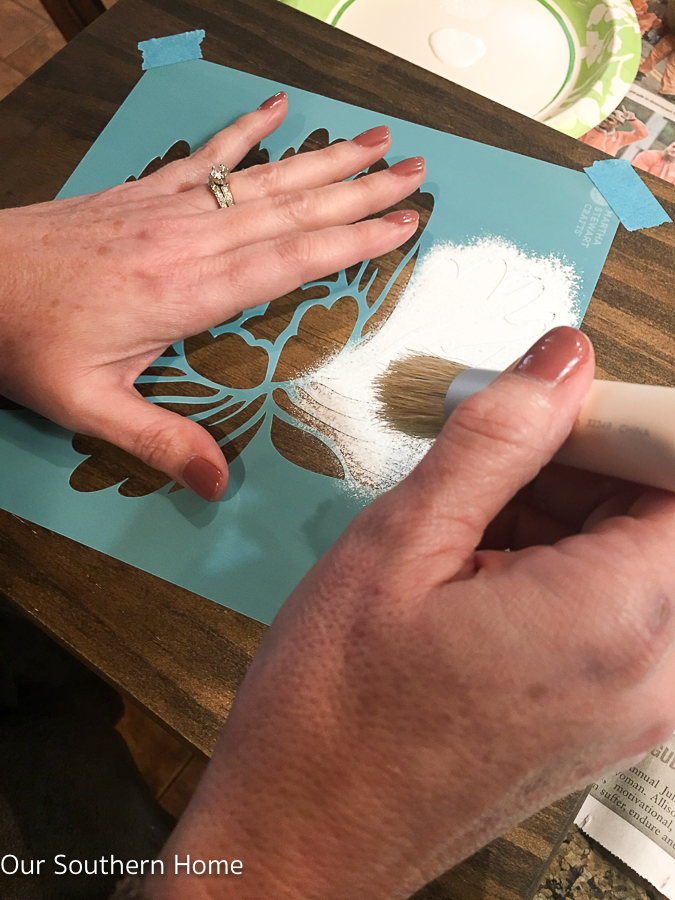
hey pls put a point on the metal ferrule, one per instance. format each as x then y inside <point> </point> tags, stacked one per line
<point>468,382</point>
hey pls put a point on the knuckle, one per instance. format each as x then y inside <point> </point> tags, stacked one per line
<point>296,252</point>
<point>297,209</point>
<point>150,443</point>
<point>486,415</point>
<point>617,627</point>
<point>631,646</point>
<point>267,179</point>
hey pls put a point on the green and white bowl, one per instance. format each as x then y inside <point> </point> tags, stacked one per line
<point>567,63</point>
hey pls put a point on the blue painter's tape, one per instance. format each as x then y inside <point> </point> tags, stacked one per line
<point>172,49</point>
<point>627,194</point>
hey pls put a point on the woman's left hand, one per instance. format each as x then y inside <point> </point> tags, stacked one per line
<point>95,288</point>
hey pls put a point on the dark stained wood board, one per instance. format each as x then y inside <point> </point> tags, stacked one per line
<point>178,655</point>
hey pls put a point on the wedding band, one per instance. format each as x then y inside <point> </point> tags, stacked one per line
<point>219,185</point>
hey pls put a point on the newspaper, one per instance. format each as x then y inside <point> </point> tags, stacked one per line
<point>632,814</point>
<point>642,128</point>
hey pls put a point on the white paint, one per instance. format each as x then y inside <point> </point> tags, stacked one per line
<point>481,304</point>
<point>518,38</point>
<point>456,48</point>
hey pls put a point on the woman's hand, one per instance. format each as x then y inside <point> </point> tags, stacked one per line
<point>422,689</point>
<point>95,288</point>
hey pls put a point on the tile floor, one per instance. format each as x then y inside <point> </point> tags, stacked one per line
<point>28,38</point>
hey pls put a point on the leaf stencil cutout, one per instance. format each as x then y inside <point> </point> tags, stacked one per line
<point>227,359</point>
<point>279,313</point>
<point>322,332</point>
<point>168,388</point>
<point>164,372</point>
<point>244,376</point>
<point>256,156</point>
<point>317,140</point>
<point>180,150</point>
<point>107,465</point>
<point>296,445</point>
<point>388,304</point>
<point>220,427</point>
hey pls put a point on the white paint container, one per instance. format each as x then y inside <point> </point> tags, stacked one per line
<point>517,52</point>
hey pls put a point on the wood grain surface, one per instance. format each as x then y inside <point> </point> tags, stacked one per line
<point>177,655</point>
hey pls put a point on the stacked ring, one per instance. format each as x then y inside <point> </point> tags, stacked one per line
<point>220,186</point>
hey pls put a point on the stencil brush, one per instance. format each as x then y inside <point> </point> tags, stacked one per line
<point>418,393</point>
<point>623,430</point>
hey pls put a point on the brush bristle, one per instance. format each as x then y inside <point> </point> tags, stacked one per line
<point>412,392</point>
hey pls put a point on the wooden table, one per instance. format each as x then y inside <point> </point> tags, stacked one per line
<point>176,654</point>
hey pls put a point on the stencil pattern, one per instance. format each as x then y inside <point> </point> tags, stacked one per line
<point>239,377</point>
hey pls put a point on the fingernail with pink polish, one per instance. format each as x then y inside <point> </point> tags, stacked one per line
<point>373,137</point>
<point>202,477</point>
<point>271,102</point>
<point>401,217</point>
<point>555,356</point>
<point>412,166</point>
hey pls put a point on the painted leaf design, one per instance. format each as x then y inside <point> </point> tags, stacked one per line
<point>227,360</point>
<point>316,424</point>
<point>277,317</point>
<point>321,333</point>
<point>305,449</point>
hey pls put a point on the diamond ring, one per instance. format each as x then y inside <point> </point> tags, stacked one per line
<point>220,186</point>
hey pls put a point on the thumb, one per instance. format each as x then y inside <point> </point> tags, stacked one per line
<point>163,440</point>
<point>495,442</point>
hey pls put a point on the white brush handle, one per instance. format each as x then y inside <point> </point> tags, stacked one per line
<point>623,430</point>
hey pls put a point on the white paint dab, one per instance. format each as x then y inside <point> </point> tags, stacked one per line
<point>481,304</point>
<point>489,47</point>
<point>456,48</point>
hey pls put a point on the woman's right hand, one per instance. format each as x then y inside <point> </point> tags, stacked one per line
<point>489,635</point>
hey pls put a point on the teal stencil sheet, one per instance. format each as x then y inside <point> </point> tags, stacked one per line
<point>251,549</point>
